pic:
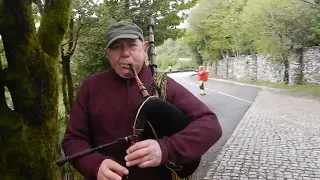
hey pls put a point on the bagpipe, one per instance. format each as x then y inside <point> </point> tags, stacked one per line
<point>155,118</point>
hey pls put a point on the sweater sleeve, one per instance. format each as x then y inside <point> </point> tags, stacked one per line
<point>77,134</point>
<point>202,133</point>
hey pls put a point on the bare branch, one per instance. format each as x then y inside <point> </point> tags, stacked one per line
<point>81,7</point>
<point>71,51</point>
<point>40,6</point>
<point>84,42</point>
<point>73,38</point>
<point>71,35</point>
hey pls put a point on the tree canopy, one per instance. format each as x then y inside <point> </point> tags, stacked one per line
<point>47,48</point>
<point>231,28</point>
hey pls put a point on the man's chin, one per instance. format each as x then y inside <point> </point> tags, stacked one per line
<point>125,74</point>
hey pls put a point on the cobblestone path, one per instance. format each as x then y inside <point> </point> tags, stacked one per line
<point>278,138</point>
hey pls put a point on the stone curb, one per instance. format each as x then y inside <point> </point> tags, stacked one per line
<point>245,84</point>
<point>288,92</point>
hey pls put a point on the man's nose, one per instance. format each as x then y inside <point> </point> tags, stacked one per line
<point>125,52</point>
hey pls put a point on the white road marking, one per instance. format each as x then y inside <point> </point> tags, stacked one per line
<point>219,92</point>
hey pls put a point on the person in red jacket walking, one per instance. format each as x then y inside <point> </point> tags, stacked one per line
<point>203,75</point>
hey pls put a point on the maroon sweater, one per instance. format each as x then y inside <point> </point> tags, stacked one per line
<point>104,111</point>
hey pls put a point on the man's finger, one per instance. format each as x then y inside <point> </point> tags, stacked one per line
<point>138,145</point>
<point>138,161</point>
<point>120,173</point>
<point>112,175</point>
<point>116,167</point>
<point>106,173</point>
<point>146,164</point>
<point>137,154</point>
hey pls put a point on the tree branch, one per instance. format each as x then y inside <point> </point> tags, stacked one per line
<point>16,27</point>
<point>71,35</point>
<point>20,44</point>
<point>53,26</point>
<point>64,88</point>
<point>24,77</point>
<point>40,6</point>
<point>82,6</point>
<point>76,38</point>
<point>84,42</point>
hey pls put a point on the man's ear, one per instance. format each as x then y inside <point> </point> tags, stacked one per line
<point>106,51</point>
<point>146,46</point>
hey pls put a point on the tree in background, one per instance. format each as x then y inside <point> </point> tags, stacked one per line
<point>29,132</point>
<point>169,52</point>
<point>90,57</point>
<point>165,13</point>
<point>220,29</point>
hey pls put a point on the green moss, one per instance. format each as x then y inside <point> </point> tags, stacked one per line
<point>15,153</point>
<point>45,123</point>
<point>29,152</point>
<point>54,26</point>
<point>35,97</point>
<point>29,134</point>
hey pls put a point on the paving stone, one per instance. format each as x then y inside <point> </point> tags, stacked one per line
<point>278,138</point>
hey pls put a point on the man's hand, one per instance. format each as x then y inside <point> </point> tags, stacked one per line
<point>145,153</point>
<point>111,170</point>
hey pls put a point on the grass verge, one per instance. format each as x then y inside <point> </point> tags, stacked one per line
<point>307,88</point>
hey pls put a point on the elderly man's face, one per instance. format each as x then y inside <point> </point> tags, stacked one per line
<point>127,51</point>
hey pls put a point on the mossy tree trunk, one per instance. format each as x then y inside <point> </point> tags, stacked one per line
<point>29,133</point>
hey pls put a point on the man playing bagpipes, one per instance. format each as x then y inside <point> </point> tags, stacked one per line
<point>203,76</point>
<point>104,111</point>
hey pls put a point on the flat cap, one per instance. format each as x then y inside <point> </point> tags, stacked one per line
<point>122,30</point>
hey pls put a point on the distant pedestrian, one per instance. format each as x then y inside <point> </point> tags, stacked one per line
<point>203,76</point>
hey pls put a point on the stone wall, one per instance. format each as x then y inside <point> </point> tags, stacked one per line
<point>304,65</point>
<point>268,70</point>
<point>311,64</point>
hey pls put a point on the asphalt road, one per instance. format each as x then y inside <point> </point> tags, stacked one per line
<point>230,103</point>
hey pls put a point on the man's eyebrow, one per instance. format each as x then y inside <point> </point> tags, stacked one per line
<point>130,41</point>
<point>113,45</point>
<point>133,40</point>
